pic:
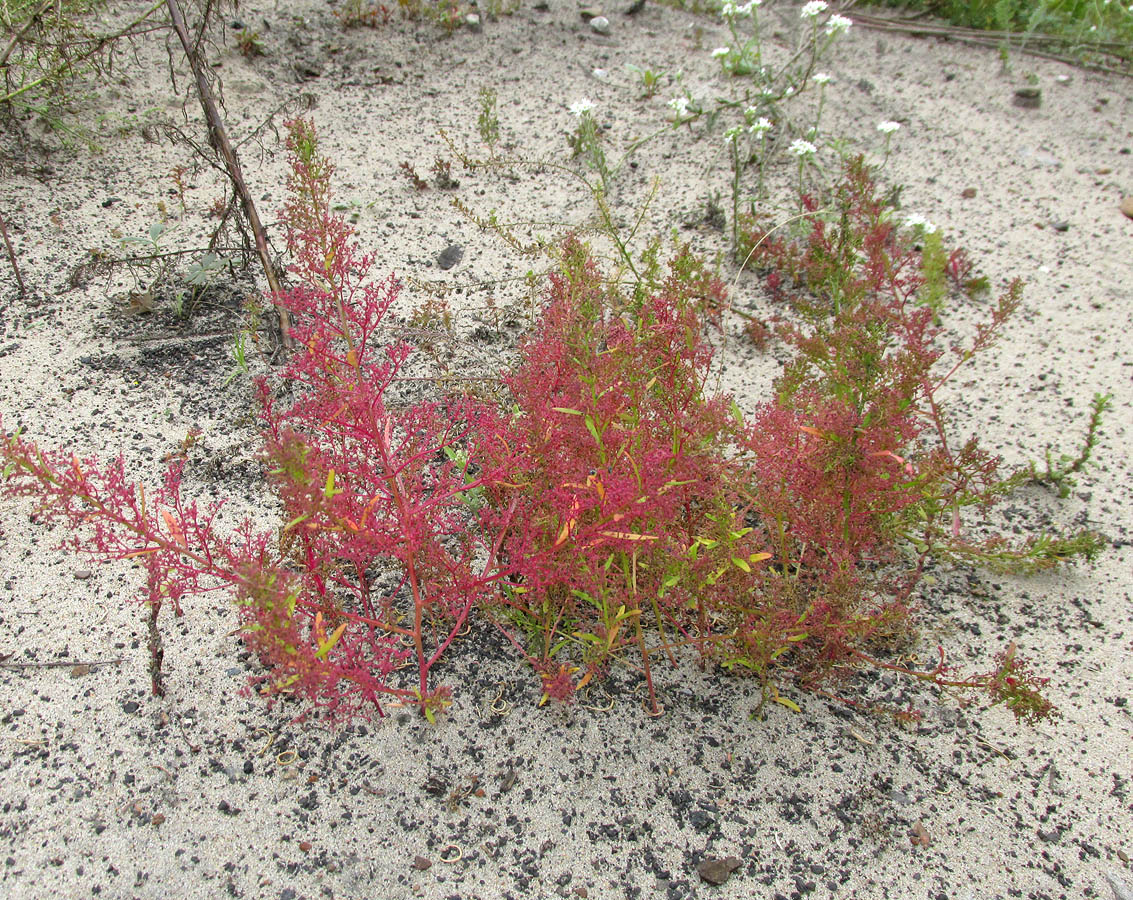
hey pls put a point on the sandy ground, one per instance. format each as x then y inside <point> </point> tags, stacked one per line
<point>108,792</point>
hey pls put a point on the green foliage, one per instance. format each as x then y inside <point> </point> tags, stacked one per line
<point>1060,472</point>
<point>1090,27</point>
<point>488,122</point>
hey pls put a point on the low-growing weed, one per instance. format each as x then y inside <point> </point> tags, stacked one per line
<point>611,509</point>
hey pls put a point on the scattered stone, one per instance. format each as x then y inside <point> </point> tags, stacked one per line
<point>80,670</point>
<point>130,706</point>
<point>1028,98</point>
<point>305,846</point>
<point>1127,206</point>
<point>968,193</point>
<point>450,256</point>
<point>919,836</point>
<point>472,23</point>
<point>82,574</point>
<point>158,819</point>
<point>1120,889</point>
<point>600,24</point>
<point>718,871</point>
<point>248,767</point>
<point>420,863</point>
<point>1060,226</point>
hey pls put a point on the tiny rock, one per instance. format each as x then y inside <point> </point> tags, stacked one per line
<point>600,24</point>
<point>717,871</point>
<point>82,574</point>
<point>450,256</point>
<point>305,846</point>
<point>158,819</point>
<point>1127,206</point>
<point>1060,226</point>
<point>919,836</point>
<point>420,863</point>
<point>80,670</point>
<point>1028,98</point>
<point>472,22</point>
<point>968,193</point>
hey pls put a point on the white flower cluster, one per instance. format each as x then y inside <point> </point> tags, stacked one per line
<point>837,24</point>
<point>822,78</point>
<point>680,105</point>
<point>760,125</point>
<point>730,10</point>
<point>732,133</point>
<point>812,9</point>
<point>720,52</point>
<point>888,127</point>
<point>915,220</point>
<point>580,107</point>
<point>802,148</point>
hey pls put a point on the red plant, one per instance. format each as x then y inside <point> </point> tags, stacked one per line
<point>620,507</point>
<point>617,467</point>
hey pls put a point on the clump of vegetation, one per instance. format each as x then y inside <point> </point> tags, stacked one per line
<point>612,509</point>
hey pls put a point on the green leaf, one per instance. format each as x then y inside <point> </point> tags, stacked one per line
<point>567,411</point>
<point>790,704</point>
<point>737,414</point>
<point>328,489</point>
<point>741,564</point>
<point>296,521</point>
<point>430,715</point>
<point>593,429</point>
<point>326,647</point>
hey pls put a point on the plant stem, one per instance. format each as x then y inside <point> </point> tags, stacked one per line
<point>12,257</point>
<point>218,138</point>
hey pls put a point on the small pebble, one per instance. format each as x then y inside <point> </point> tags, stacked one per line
<point>1127,206</point>
<point>1028,98</point>
<point>600,24</point>
<point>450,256</point>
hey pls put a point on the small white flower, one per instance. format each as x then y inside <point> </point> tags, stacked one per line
<point>732,133</point>
<point>916,220</point>
<point>728,10</point>
<point>822,78</point>
<point>720,52</point>
<point>680,105</point>
<point>837,24</point>
<point>748,9</point>
<point>802,148</point>
<point>581,107</point>
<point>888,127</point>
<point>761,125</point>
<point>767,92</point>
<point>812,9</point>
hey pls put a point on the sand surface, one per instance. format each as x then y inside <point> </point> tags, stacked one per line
<point>108,792</point>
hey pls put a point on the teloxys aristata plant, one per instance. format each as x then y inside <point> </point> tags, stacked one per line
<point>612,510</point>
